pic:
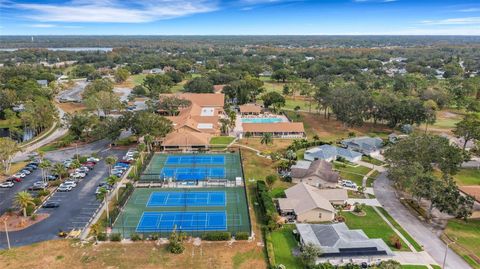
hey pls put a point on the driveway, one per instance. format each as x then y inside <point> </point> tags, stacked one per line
<point>76,207</point>
<point>423,234</point>
<point>75,93</point>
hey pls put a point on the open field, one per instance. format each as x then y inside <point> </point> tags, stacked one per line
<point>468,177</point>
<point>446,120</point>
<point>466,235</point>
<point>221,140</point>
<point>69,254</point>
<point>372,225</point>
<point>256,167</point>
<point>283,244</point>
<point>278,144</point>
<point>71,107</point>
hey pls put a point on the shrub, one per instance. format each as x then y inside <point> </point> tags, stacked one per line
<point>271,179</point>
<point>241,236</point>
<point>102,237</point>
<point>395,241</point>
<point>115,237</point>
<point>30,209</point>
<point>37,201</point>
<point>136,237</point>
<point>358,208</point>
<point>33,217</point>
<point>154,237</point>
<point>217,236</point>
<point>43,193</point>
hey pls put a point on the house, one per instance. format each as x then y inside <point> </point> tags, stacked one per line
<point>305,203</point>
<point>277,129</point>
<point>196,124</point>
<point>250,109</point>
<point>364,144</point>
<point>157,71</point>
<point>317,173</point>
<point>330,153</point>
<point>337,242</point>
<point>394,138</point>
<point>42,82</point>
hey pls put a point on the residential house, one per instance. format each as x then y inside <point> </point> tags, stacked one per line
<point>317,173</point>
<point>366,145</point>
<point>277,129</point>
<point>330,153</point>
<point>337,242</point>
<point>42,82</point>
<point>305,203</point>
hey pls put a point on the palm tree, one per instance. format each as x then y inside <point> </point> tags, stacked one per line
<point>111,180</point>
<point>110,161</point>
<point>96,229</point>
<point>75,164</point>
<point>59,169</point>
<point>148,141</point>
<point>232,116</point>
<point>248,135</point>
<point>267,138</point>
<point>23,199</point>
<point>291,156</point>
<point>102,195</point>
<point>141,149</point>
<point>44,165</point>
<point>225,125</point>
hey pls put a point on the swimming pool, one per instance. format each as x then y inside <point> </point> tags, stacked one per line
<point>261,120</point>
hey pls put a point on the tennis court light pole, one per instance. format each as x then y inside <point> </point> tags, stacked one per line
<point>6,232</point>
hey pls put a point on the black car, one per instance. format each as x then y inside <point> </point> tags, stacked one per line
<point>29,168</point>
<point>51,205</point>
<point>36,188</point>
<point>52,177</point>
<point>33,166</point>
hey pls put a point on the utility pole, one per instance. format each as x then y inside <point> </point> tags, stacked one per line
<point>446,252</point>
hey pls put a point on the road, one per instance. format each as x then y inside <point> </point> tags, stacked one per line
<point>76,207</point>
<point>75,93</point>
<point>423,234</point>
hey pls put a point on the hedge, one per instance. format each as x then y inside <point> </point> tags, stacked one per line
<point>241,236</point>
<point>115,237</point>
<point>217,236</point>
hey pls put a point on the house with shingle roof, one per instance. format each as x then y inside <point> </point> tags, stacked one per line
<point>310,204</point>
<point>336,242</point>
<point>318,173</point>
<point>364,144</point>
<point>330,153</point>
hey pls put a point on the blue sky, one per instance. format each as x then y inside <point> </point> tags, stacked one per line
<point>242,17</point>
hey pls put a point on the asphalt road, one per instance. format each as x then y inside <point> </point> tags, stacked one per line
<point>423,234</point>
<point>76,206</point>
<point>75,93</point>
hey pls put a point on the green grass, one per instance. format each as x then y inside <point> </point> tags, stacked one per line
<point>373,226</point>
<point>283,244</point>
<point>466,177</point>
<point>352,173</point>
<point>138,79</point>
<point>49,147</point>
<point>401,230</point>
<point>221,140</point>
<point>410,266</point>
<point>434,266</point>
<point>372,178</point>
<point>242,257</point>
<point>372,160</point>
<point>10,123</point>
<point>466,235</point>
<point>278,192</point>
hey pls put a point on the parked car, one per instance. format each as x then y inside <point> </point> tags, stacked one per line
<point>7,184</point>
<point>28,168</point>
<point>90,165</point>
<point>20,175</point>
<point>64,188</point>
<point>93,159</point>
<point>51,205</point>
<point>36,188</point>
<point>97,191</point>
<point>71,183</point>
<point>14,179</point>
<point>34,166</point>
<point>25,171</point>
<point>77,175</point>
<point>52,177</point>
<point>349,184</point>
<point>82,169</point>
<point>40,183</point>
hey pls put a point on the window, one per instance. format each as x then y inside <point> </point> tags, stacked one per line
<point>319,215</point>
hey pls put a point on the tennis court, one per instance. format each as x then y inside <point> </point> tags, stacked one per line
<point>197,173</point>
<point>183,221</point>
<point>196,159</point>
<point>166,199</point>
<point>193,167</point>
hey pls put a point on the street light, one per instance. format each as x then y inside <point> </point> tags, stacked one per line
<point>446,251</point>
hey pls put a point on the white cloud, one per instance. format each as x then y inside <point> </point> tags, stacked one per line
<point>116,11</point>
<point>473,9</point>
<point>453,21</point>
<point>43,25</point>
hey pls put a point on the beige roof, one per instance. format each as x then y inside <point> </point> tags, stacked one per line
<point>186,139</point>
<point>305,198</point>
<point>250,108</point>
<point>333,194</point>
<point>201,99</point>
<point>278,127</point>
<point>320,168</point>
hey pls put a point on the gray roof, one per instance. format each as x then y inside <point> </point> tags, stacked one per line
<point>301,165</point>
<point>303,198</point>
<point>333,239</point>
<point>364,142</point>
<point>319,168</point>
<point>325,152</point>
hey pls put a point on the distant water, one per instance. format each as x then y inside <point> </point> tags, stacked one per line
<point>66,49</point>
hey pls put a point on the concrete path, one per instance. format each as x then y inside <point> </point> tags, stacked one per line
<point>423,234</point>
<point>414,258</point>
<point>369,202</point>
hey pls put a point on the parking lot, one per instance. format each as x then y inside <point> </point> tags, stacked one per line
<point>75,209</point>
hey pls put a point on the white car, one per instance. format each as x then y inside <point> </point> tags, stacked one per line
<point>40,184</point>
<point>25,171</point>
<point>93,159</point>
<point>82,169</point>
<point>22,175</point>
<point>69,183</point>
<point>78,175</point>
<point>349,184</point>
<point>64,188</point>
<point>7,184</point>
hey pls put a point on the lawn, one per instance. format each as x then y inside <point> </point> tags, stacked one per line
<point>410,266</point>
<point>468,177</point>
<point>401,230</point>
<point>221,140</point>
<point>372,178</point>
<point>256,167</point>
<point>373,226</point>
<point>466,235</point>
<point>352,173</point>
<point>138,79</point>
<point>283,244</point>
<point>278,144</point>
<point>278,192</point>
<point>10,123</point>
<point>372,160</point>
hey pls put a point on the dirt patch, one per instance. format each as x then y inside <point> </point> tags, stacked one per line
<point>69,254</point>
<point>71,107</point>
<point>16,222</point>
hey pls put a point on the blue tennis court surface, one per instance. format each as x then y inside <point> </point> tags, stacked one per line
<point>197,173</point>
<point>165,199</point>
<point>194,159</point>
<point>183,221</point>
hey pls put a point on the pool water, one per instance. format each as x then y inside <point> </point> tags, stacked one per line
<point>261,120</point>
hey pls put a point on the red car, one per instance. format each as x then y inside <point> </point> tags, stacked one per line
<point>90,165</point>
<point>15,179</point>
